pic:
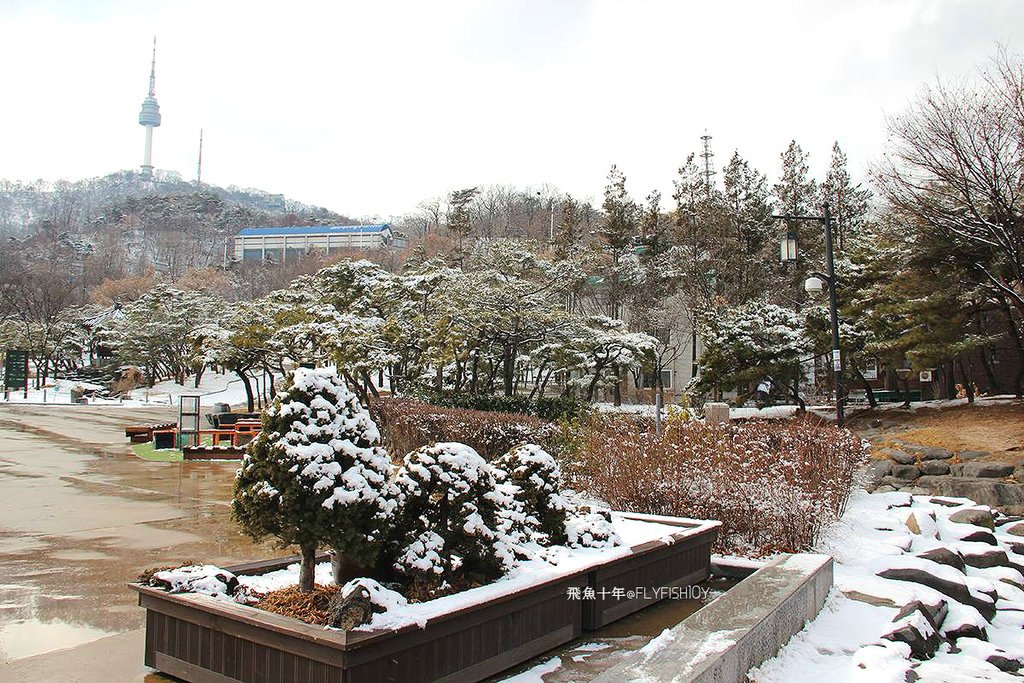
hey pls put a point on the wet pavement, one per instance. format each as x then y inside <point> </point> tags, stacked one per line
<point>80,516</point>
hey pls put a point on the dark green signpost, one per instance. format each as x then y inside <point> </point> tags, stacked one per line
<point>15,371</point>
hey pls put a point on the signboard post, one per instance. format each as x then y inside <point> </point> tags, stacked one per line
<point>15,372</point>
<point>188,421</point>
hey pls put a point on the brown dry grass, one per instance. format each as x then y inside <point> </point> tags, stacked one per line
<point>998,429</point>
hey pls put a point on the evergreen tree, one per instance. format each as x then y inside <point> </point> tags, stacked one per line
<point>848,202</point>
<point>316,475</point>
<point>460,222</point>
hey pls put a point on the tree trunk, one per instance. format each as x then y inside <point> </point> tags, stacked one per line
<point>618,386</point>
<point>968,384</point>
<point>868,392</point>
<point>249,398</point>
<point>306,567</point>
<point>508,366</point>
<point>344,569</point>
<point>990,375</point>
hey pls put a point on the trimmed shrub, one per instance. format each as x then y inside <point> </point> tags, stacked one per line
<point>539,480</point>
<point>774,485</point>
<point>448,534</point>
<point>316,475</point>
<point>409,424</point>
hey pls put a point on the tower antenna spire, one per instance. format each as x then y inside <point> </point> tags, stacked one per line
<point>199,166</point>
<point>152,72</point>
<point>706,155</point>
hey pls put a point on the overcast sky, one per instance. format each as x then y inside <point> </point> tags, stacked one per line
<point>368,108</point>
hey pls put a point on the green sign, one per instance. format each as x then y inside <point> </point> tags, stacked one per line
<point>16,369</point>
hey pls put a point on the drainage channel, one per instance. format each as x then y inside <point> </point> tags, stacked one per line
<point>595,651</point>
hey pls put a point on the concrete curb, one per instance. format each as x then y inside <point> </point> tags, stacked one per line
<point>746,626</point>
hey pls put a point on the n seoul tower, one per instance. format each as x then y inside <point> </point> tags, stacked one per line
<point>150,118</point>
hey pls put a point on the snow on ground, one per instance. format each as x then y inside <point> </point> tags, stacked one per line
<point>844,643</point>
<point>766,413</point>
<point>215,388</point>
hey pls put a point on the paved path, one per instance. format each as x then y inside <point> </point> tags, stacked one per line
<point>80,516</point>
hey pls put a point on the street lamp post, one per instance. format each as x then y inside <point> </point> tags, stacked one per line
<point>813,285</point>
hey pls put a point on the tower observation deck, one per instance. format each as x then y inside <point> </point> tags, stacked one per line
<point>149,117</point>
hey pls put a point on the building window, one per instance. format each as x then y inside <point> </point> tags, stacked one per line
<point>650,381</point>
<point>871,368</point>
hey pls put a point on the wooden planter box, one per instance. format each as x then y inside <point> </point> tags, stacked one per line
<point>205,640</point>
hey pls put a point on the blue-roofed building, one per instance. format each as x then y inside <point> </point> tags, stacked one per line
<point>283,243</point>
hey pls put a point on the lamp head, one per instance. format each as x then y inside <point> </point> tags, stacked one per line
<point>813,285</point>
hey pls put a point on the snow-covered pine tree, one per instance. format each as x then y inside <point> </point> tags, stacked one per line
<point>315,475</point>
<point>539,479</point>
<point>449,519</point>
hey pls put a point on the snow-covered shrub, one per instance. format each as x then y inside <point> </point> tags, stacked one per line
<point>539,480</point>
<point>774,485</point>
<point>449,531</point>
<point>589,526</point>
<point>315,474</point>
<point>407,425</point>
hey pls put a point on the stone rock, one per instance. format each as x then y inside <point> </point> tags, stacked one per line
<point>934,467</point>
<point>980,537</point>
<point>905,472</point>
<point>993,557</point>
<point>891,481</point>
<point>1014,529</point>
<point>919,520</point>
<point>975,516</point>
<point>950,589</point>
<point>923,638</point>
<point>1005,496</point>
<point>989,470</point>
<point>875,600</point>
<point>716,413</point>
<point>966,630</point>
<point>1004,663</point>
<point>935,614</point>
<point>874,472</point>
<point>971,455</point>
<point>915,490</point>
<point>884,488</point>
<point>944,503</point>
<point>903,458</point>
<point>957,470</point>
<point>945,556</point>
<point>929,453</point>
<point>348,612</point>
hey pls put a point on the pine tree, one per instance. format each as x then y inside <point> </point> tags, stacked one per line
<point>848,202</point>
<point>449,519</point>
<point>460,221</point>
<point>796,194</point>
<point>315,475</point>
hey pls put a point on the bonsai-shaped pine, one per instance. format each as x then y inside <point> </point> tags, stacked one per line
<point>315,476</point>
<point>449,506</point>
<point>539,480</point>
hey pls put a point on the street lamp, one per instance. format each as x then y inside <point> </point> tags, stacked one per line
<point>814,285</point>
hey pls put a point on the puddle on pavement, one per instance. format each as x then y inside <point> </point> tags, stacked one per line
<point>29,637</point>
<point>596,651</point>
<point>76,525</point>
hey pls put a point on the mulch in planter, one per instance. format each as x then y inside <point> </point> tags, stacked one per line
<point>309,607</point>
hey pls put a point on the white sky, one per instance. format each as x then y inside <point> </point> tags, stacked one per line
<point>369,107</point>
